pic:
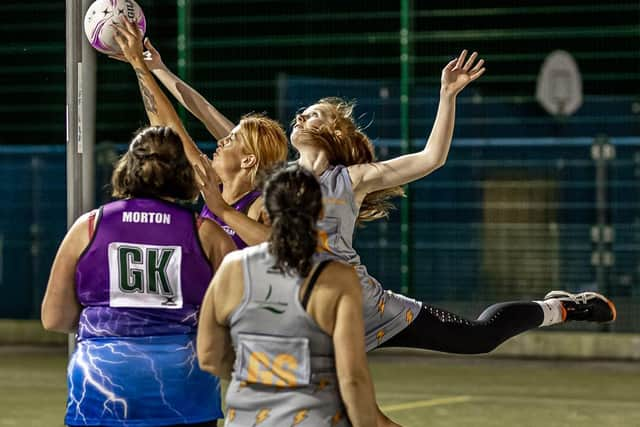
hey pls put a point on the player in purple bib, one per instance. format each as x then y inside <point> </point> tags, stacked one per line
<point>129,278</point>
<point>253,145</point>
<point>242,205</point>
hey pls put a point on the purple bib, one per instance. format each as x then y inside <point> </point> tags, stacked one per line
<point>241,206</point>
<point>144,272</point>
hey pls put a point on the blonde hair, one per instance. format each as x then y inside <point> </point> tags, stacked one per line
<point>347,145</point>
<point>265,139</point>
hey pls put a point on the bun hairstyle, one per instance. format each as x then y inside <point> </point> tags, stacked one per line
<point>293,200</point>
<point>155,165</point>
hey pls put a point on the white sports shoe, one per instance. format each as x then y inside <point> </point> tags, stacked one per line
<point>587,306</point>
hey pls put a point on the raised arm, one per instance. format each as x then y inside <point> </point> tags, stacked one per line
<point>215,122</point>
<point>159,110</point>
<point>371,177</point>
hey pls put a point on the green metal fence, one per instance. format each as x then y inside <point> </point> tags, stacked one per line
<point>463,229</point>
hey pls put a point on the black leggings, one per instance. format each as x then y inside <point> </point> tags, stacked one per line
<point>440,330</point>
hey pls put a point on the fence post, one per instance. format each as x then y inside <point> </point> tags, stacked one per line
<point>184,47</point>
<point>602,232</point>
<point>406,63</point>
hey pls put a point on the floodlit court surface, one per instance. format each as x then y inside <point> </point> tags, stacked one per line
<point>415,391</point>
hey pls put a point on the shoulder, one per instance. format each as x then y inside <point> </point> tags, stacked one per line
<point>357,172</point>
<point>234,257</point>
<point>253,254</point>
<point>339,267</point>
<point>340,277</point>
<point>336,179</point>
<point>208,227</point>
<point>212,236</point>
<point>237,257</point>
<point>230,272</point>
<point>78,236</point>
<point>81,224</point>
<point>256,209</point>
<point>333,172</point>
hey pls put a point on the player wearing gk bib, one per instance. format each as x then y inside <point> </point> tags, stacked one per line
<point>255,144</point>
<point>131,277</point>
<point>293,325</point>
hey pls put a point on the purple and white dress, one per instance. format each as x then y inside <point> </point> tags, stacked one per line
<point>140,282</point>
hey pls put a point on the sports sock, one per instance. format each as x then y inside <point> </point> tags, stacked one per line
<point>553,310</point>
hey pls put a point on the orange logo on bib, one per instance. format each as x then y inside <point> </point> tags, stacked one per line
<point>409,316</point>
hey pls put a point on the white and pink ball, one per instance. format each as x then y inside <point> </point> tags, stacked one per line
<point>99,19</point>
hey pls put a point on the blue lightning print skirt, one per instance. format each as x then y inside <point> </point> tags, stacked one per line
<point>139,382</point>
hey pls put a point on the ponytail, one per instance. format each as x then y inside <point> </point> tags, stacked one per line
<point>293,200</point>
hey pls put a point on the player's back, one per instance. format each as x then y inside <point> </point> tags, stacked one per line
<point>141,281</point>
<point>284,372</point>
<point>144,272</point>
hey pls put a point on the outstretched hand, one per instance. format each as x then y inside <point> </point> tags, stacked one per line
<point>129,39</point>
<point>457,74</point>
<point>152,56</point>
<point>209,182</point>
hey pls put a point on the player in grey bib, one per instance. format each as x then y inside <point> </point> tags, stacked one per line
<point>270,328</point>
<point>290,322</point>
<point>356,188</point>
<point>385,312</point>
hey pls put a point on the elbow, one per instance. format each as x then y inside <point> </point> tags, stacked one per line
<point>208,364</point>
<point>53,324</point>
<point>208,367</point>
<point>440,162</point>
<point>431,162</point>
<point>54,320</point>
<point>216,369</point>
<point>48,325</point>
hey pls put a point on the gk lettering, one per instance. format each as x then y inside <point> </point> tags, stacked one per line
<point>144,271</point>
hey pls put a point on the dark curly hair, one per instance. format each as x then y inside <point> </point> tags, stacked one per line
<point>293,200</point>
<point>155,165</point>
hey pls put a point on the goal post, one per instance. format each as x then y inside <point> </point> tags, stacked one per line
<point>80,72</point>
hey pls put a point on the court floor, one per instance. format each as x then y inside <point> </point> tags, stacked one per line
<point>415,391</point>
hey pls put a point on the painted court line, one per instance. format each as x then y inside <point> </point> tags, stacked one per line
<point>502,398</point>
<point>425,403</point>
<point>559,400</point>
